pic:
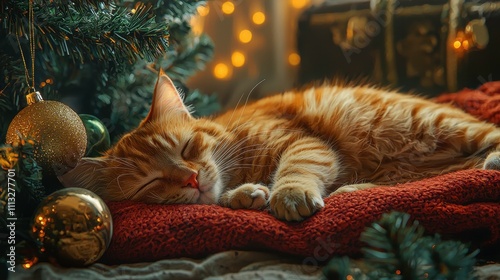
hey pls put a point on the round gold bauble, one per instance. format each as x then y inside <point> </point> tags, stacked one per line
<point>73,226</point>
<point>58,132</point>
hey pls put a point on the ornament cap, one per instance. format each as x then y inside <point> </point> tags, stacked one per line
<point>33,97</point>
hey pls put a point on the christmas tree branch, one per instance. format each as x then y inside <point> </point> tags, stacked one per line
<point>398,249</point>
<point>86,32</point>
<point>191,55</point>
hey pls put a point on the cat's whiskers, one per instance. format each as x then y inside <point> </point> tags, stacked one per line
<point>236,148</point>
<point>236,164</point>
<point>238,103</point>
<point>155,196</point>
<point>117,179</point>
<point>235,151</point>
<point>236,158</point>
<point>237,145</point>
<point>122,160</point>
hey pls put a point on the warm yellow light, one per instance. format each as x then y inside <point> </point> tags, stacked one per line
<point>245,36</point>
<point>299,4</point>
<point>457,44</point>
<point>196,26</point>
<point>27,265</point>
<point>294,59</point>
<point>465,44</point>
<point>238,59</point>
<point>221,71</point>
<point>227,7</point>
<point>203,10</point>
<point>259,18</point>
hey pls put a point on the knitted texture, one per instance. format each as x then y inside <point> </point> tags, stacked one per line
<point>483,103</point>
<point>464,205</point>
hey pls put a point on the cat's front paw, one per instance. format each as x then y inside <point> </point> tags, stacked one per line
<point>492,162</point>
<point>246,196</point>
<point>295,203</point>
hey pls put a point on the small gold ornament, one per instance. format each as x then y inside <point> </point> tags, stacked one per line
<point>74,227</point>
<point>59,133</point>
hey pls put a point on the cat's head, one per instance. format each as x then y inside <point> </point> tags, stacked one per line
<point>170,158</point>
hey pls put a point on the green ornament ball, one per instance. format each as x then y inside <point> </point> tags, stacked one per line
<point>98,140</point>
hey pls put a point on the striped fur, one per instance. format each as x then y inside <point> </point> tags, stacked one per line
<point>288,150</point>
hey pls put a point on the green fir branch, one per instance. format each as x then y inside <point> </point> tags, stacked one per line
<point>123,112</point>
<point>397,249</point>
<point>98,50</point>
<point>394,246</point>
<point>86,32</point>
<point>190,56</point>
<point>177,13</point>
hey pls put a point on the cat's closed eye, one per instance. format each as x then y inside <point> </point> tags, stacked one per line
<point>193,147</point>
<point>185,152</point>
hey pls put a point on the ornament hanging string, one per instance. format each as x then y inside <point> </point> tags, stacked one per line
<point>31,38</point>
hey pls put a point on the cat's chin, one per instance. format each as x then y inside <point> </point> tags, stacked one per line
<point>209,195</point>
<point>205,198</point>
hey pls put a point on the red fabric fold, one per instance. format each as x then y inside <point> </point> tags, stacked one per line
<point>463,205</point>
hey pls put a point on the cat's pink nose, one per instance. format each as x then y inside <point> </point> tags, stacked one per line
<point>192,181</point>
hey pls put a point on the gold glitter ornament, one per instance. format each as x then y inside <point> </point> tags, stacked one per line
<point>59,134</point>
<point>74,227</point>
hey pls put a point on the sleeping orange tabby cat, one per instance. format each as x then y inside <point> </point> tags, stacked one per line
<point>287,151</point>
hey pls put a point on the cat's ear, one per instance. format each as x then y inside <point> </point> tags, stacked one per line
<point>87,174</point>
<point>166,99</point>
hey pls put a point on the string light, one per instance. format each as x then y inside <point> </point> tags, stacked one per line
<point>26,265</point>
<point>227,7</point>
<point>259,18</point>
<point>203,10</point>
<point>238,59</point>
<point>299,4</point>
<point>294,59</point>
<point>221,71</point>
<point>245,36</point>
<point>465,44</point>
<point>457,44</point>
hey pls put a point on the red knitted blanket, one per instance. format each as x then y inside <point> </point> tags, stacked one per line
<point>463,205</point>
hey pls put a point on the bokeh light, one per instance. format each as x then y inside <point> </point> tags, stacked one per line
<point>238,59</point>
<point>245,36</point>
<point>259,18</point>
<point>203,10</point>
<point>294,59</point>
<point>221,71</point>
<point>299,4</point>
<point>227,7</point>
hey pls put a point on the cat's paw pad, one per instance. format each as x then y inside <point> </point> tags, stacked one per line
<point>295,203</point>
<point>492,162</point>
<point>246,196</point>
